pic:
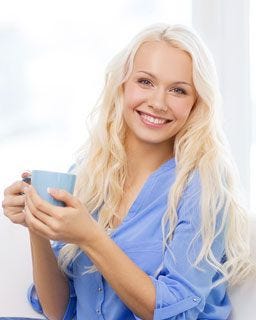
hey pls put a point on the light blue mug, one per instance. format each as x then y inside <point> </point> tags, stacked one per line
<point>41,180</point>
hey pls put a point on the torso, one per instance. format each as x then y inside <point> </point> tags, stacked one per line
<point>131,192</point>
<point>125,204</point>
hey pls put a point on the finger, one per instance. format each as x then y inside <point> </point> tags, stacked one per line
<point>15,188</point>
<point>38,214</point>
<point>27,180</point>
<point>37,226</point>
<point>37,203</point>
<point>66,197</point>
<point>26,174</point>
<point>13,201</point>
<point>13,211</point>
<point>18,218</point>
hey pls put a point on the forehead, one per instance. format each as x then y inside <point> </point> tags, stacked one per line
<point>164,60</point>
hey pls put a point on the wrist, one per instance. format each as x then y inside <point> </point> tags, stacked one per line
<point>34,237</point>
<point>96,239</point>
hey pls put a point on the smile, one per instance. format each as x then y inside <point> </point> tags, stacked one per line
<point>149,119</point>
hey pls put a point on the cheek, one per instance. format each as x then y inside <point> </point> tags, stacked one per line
<point>133,97</point>
<point>182,110</point>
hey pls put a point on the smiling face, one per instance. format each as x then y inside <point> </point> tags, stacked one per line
<point>159,93</point>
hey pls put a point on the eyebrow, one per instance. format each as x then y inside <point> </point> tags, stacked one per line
<point>175,83</point>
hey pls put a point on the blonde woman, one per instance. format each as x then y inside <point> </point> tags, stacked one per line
<point>155,229</point>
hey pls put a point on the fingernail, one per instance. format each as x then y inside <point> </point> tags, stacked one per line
<point>51,190</point>
<point>25,188</point>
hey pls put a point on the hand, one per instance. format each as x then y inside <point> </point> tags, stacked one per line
<point>72,224</point>
<point>14,201</point>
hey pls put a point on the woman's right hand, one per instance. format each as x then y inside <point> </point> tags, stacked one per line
<point>14,201</point>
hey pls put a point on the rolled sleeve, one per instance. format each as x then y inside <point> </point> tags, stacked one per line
<point>35,303</point>
<point>34,300</point>
<point>169,307</point>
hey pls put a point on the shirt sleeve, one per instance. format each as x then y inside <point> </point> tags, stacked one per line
<point>181,288</point>
<point>33,298</point>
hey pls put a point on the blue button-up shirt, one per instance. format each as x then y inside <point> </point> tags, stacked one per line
<point>182,290</point>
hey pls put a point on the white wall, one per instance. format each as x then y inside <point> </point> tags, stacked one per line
<point>224,26</point>
<point>16,273</point>
<point>52,58</point>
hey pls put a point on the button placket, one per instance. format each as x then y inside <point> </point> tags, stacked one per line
<point>100,297</point>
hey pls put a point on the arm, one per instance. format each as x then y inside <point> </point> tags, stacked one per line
<point>132,285</point>
<point>72,224</point>
<point>180,290</point>
<point>50,283</point>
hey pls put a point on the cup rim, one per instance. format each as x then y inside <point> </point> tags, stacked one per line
<point>51,172</point>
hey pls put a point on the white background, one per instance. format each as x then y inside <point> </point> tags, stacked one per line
<point>52,60</point>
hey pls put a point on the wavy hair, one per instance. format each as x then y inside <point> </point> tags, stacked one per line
<point>200,145</point>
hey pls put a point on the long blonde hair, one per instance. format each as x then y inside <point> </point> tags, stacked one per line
<point>200,145</point>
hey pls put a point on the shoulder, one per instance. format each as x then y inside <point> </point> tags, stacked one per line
<point>189,207</point>
<point>192,191</point>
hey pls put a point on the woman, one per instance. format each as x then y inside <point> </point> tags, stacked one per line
<point>155,229</point>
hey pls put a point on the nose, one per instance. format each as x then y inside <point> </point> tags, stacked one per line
<point>157,100</point>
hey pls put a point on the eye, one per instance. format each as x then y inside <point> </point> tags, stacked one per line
<point>178,91</point>
<point>145,82</point>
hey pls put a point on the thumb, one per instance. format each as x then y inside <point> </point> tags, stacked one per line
<point>63,195</point>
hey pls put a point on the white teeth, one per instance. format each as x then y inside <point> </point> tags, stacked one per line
<point>153,120</point>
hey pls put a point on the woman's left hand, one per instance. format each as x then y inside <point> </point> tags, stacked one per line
<point>72,224</point>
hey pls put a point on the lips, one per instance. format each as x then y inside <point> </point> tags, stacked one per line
<point>152,118</point>
<point>151,121</point>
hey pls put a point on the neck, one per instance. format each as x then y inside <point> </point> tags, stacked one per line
<point>144,158</point>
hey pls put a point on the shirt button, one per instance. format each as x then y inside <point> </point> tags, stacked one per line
<point>195,299</point>
<point>98,311</point>
<point>99,289</point>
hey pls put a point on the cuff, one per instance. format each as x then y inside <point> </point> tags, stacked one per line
<point>33,299</point>
<point>169,306</point>
<point>35,303</point>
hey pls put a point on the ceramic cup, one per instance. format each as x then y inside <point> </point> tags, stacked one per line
<point>41,180</point>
